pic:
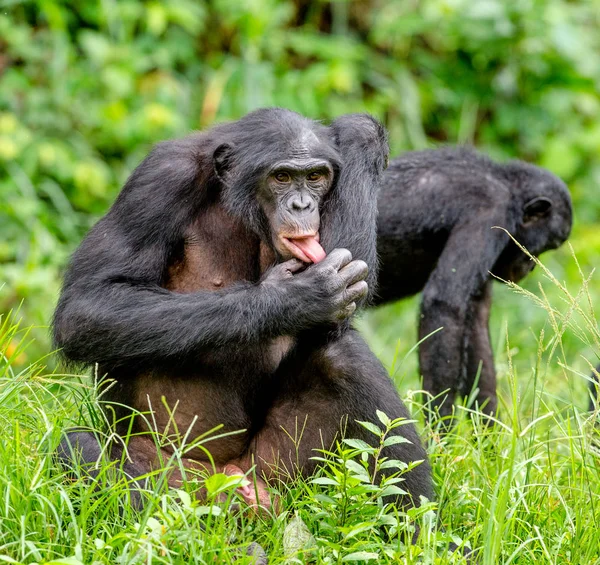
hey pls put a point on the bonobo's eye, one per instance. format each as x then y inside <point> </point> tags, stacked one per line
<point>282,177</point>
<point>314,176</point>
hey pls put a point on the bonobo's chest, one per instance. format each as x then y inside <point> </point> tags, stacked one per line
<point>217,251</point>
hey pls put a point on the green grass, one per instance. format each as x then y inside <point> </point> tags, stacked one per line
<point>525,491</point>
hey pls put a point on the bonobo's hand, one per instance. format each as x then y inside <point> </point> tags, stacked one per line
<point>324,292</point>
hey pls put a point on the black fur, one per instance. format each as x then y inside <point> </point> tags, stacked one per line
<point>437,209</point>
<point>126,305</point>
<point>594,388</point>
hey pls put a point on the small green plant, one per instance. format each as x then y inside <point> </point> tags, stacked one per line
<point>350,503</point>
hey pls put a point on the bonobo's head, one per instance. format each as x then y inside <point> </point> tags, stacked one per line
<point>543,206</point>
<point>276,169</point>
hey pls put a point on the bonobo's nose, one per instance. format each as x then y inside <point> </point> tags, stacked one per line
<point>301,203</point>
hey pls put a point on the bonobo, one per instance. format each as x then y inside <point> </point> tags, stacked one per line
<point>437,211</point>
<point>223,279</point>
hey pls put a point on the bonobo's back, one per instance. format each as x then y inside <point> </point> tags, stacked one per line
<point>425,194</point>
<point>422,196</point>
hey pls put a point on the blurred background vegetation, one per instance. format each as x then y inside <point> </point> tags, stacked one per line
<point>86,88</point>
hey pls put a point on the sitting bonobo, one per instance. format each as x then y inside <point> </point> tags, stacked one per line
<point>437,214</point>
<point>223,279</point>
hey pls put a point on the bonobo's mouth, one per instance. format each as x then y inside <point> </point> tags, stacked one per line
<point>521,270</point>
<point>304,247</point>
<point>515,271</point>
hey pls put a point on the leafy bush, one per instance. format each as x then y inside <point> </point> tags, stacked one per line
<point>87,87</point>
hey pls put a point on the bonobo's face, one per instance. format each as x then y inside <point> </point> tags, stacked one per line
<point>545,219</point>
<point>274,169</point>
<point>290,196</point>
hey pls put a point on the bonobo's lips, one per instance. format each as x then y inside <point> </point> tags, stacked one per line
<point>304,247</point>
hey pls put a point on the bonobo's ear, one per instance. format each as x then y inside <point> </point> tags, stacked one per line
<point>536,208</point>
<point>222,158</point>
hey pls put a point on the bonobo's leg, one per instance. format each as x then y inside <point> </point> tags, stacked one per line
<point>460,274</point>
<point>82,450</point>
<point>479,353</point>
<point>594,388</point>
<point>338,384</point>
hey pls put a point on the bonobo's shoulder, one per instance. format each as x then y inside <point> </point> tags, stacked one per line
<point>173,152</point>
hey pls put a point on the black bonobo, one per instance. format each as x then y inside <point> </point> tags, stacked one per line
<point>437,211</point>
<point>223,279</point>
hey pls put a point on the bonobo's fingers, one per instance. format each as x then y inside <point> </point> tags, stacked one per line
<point>324,291</point>
<point>347,311</point>
<point>283,271</point>
<point>356,292</point>
<point>337,259</point>
<point>354,272</point>
<point>349,297</point>
<point>292,266</point>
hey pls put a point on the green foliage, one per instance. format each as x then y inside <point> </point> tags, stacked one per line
<point>88,87</point>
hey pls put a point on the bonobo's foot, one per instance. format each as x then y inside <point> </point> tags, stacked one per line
<point>255,494</point>
<point>259,500</point>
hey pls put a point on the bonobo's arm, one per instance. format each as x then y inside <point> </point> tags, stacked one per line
<point>113,309</point>
<point>349,216</point>
<point>459,276</point>
<point>479,351</point>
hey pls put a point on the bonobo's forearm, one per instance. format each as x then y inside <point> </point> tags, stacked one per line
<point>350,213</point>
<point>479,354</point>
<point>120,322</point>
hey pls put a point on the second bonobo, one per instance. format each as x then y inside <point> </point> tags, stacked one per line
<point>437,213</point>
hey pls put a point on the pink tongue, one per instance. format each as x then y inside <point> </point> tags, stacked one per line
<point>311,248</point>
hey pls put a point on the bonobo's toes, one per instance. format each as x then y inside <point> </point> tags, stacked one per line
<point>255,494</point>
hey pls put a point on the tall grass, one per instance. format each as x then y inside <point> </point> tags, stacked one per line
<point>524,490</point>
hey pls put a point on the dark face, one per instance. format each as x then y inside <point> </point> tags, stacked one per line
<point>545,219</point>
<point>290,197</point>
<point>275,169</point>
